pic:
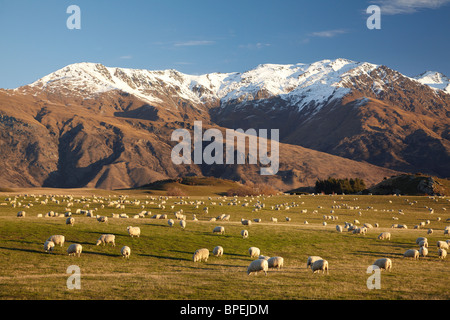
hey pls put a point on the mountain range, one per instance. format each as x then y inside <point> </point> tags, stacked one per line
<point>88,125</point>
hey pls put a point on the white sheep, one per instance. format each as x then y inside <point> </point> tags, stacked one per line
<point>105,239</point>
<point>274,219</point>
<point>430,231</point>
<point>183,224</point>
<point>384,236</point>
<point>218,251</point>
<point>102,219</point>
<point>383,263</point>
<point>339,228</point>
<point>75,249</point>
<point>411,253</point>
<point>442,253</point>
<point>246,222</point>
<point>57,239</point>
<point>276,262</point>
<point>319,265</point>
<point>423,243</point>
<point>70,221</point>
<point>421,239</point>
<point>244,234</point>
<point>254,252</point>
<point>201,255</point>
<point>423,251</point>
<point>442,245</point>
<point>170,222</point>
<point>21,214</point>
<point>126,252</point>
<point>219,229</point>
<point>257,266</point>
<point>49,246</point>
<point>311,260</point>
<point>134,231</point>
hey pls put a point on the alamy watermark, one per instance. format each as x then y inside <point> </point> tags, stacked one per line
<point>235,147</point>
<point>374,21</point>
<point>74,280</point>
<point>374,281</point>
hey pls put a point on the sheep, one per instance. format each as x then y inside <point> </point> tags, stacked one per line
<point>75,249</point>
<point>244,234</point>
<point>411,253</point>
<point>219,229</point>
<point>57,239</point>
<point>134,231</point>
<point>442,253</point>
<point>102,219</point>
<point>218,251</point>
<point>442,245</point>
<point>421,239</point>
<point>423,251</point>
<point>21,214</point>
<point>125,251</point>
<point>274,219</point>
<point>276,262</point>
<point>430,231</point>
<point>49,246</point>
<point>311,260</point>
<point>339,228</point>
<point>423,243</point>
<point>201,255</point>
<point>384,236</point>
<point>257,266</point>
<point>246,222</point>
<point>70,221</point>
<point>320,265</point>
<point>288,219</point>
<point>183,224</point>
<point>383,263</point>
<point>170,222</point>
<point>105,239</point>
<point>361,230</point>
<point>263,257</point>
<point>254,252</point>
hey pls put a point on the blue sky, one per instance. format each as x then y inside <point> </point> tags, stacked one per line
<point>201,36</point>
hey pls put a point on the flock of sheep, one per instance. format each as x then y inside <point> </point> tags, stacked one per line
<point>260,263</point>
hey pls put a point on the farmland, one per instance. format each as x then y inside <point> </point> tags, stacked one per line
<point>161,267</point>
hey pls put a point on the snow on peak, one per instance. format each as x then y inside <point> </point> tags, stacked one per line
<point>435,80</point>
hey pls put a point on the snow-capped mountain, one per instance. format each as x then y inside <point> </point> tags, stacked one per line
<point>435,80</point>
<point>91,125</point>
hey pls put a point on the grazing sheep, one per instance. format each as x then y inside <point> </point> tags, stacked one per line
<point>274,219</point>
<point>246,222</point>
<point>442,245</point>
<point>219,229</point>
<point>49,246</point>
<point>70,221</point>
<point>75,249</point>
<point>125,251</point>
<point>423,251</point>
<point>134,231</point>
<point>21,214</point>
<point>384,236</point>
<point>257,266</point>
<point>275,262</point>
<point>421,239</point>
<point>320,265</point>
<point>201,255</point>
<point>311,260</point>
<point>383,263</point>
<point>57,239</point>
<point>442,253</point>
<point>411,253</point>
<point>339,228</point>
<point>254,252</point>
<point>264,257</point>
<point>423,243</point>
<point>218,251</point>
<point>244,234</point>
<point>170,222</point>
<point>183,224</point>
<point>360,230</point>
<point>102,219</point>
<point>430,231</point>
<point>257,220</point>
<point>288,219</point>
<point>105,239</point>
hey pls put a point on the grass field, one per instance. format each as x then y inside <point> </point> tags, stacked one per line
<point>161,265</point>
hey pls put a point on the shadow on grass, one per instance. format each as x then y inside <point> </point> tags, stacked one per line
<point>25,250</point>
<point>378,254</point>
<point>163,257</point>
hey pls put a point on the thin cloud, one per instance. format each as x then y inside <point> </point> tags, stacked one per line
<point>327,33</point>
<point>126,57</point>
<point>256,46</point>
<point>393,7</point>
<point>193,43</point>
